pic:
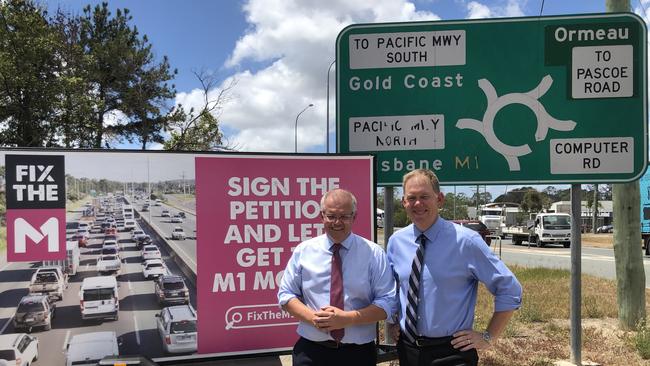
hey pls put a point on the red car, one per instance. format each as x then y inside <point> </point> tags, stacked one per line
<point>81,239</point>
<point>477,226</point>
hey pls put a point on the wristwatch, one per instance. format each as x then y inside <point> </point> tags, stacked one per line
<point>487,337</point>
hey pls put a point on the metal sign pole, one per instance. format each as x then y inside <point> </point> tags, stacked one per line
<point>576,285</point>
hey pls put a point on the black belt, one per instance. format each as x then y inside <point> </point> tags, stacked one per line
<point>428,341</point>
<point>334,344</point>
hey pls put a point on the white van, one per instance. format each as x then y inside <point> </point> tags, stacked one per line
<point>99,298</point>
<point>90,348</point>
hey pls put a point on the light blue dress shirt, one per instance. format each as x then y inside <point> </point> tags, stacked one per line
<point>367,279</point>
<point>456,259</point>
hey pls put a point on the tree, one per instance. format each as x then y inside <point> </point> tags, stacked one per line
<point>75,102</point>
<point>455,206</point>
<point>200,131</point>
<point>122,75</point>
<point>28,75</point>
<point>533,201</point>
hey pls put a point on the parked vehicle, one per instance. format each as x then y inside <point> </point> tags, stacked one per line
<point>477,226</point>
<point>50,281</point>
<point>99,298</point>
<point>91,348</point>
<point>171,289</point>
<point>605,229</point>
<point>644,189</point>
<point>18,349</point>
<point>34,311</point>
<point>177,328</point>
<point>547,228</point>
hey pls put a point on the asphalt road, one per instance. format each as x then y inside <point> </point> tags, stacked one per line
<point>598,262</point>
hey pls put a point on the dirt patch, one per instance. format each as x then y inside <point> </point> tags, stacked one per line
<point>542,343</point>
<point>598,240</point>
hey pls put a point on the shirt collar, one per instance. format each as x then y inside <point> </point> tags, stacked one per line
<point>432,231</point>
<point>345,243</point>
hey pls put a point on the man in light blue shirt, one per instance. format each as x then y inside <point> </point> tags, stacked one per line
<point>368,290</point>
<point>436,320</point>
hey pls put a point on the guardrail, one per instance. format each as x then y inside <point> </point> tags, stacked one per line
<point>188,271</point>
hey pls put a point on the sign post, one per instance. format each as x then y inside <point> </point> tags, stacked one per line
<point>521,100</point>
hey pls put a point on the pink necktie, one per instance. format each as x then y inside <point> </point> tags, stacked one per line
<point>336,288</point>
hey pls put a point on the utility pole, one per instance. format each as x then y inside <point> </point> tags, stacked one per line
<point>630,274</point>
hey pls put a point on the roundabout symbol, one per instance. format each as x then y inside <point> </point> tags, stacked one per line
<point>530,100</point>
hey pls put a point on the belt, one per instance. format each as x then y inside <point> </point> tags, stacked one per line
<point>428,341</point>
<point>333,344</point>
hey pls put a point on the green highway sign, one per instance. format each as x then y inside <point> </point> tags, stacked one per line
<point>519,100</point>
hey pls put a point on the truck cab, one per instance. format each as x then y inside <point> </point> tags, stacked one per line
<point>551,228</point>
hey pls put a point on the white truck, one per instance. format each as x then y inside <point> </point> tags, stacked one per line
<point>547,228</point>
<point>50,281</point>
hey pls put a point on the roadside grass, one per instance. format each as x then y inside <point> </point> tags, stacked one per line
<point>3,239</point>
<point>539,332</point>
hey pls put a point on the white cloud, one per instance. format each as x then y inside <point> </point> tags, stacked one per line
<point>511,8</point>
<point>297,41</point>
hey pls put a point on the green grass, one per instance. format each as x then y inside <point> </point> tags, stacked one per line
<point>3,239</point>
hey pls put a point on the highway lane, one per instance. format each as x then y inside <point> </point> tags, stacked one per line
<point>185,248</point>
<point>597,262</point>
<point>136,325</point>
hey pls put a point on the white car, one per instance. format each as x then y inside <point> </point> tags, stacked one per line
<point>153,268</point>
<point>90,348</point>
<point>177,328</point>
<point>109,264</point>
<point>111,244</point>
<point>129,225</point>
<point>18,349</point>
<point>136,233</point>
<point>165,213</point>
<point>177,219</point>
<point>178,233</point>
<point>150,252</point>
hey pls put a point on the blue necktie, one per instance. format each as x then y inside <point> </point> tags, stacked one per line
<point>413,295</point>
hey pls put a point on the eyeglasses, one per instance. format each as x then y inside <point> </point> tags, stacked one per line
<point>334,218</point>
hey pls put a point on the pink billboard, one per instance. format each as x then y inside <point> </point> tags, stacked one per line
<point>251,212</point>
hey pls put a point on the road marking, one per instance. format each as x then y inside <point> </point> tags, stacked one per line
<point>65,340</point>
<point>6,325</point>
<point>137,331</point>
<point>130,287</point>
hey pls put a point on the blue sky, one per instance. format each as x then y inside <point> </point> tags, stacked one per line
<point>278,51</point>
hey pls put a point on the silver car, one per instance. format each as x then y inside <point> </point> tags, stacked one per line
<point>177,328</point>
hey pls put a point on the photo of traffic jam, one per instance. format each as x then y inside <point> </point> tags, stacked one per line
<point>127,284</point>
